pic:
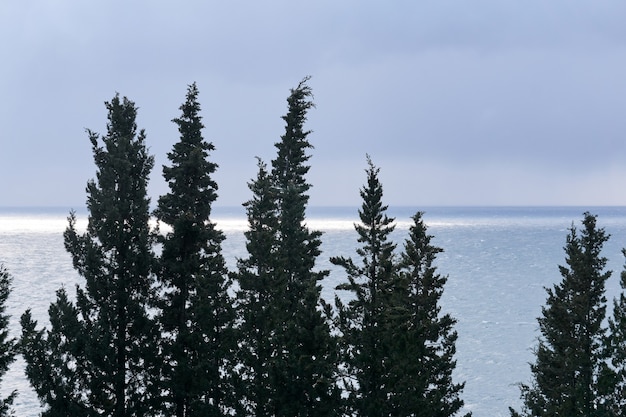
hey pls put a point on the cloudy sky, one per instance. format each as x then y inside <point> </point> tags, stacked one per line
<point>459,103</point>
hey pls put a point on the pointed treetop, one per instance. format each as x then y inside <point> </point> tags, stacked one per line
<point>372,210</point>
<point>122,114</point>
<point>289,167</point>
<point>190,122</point>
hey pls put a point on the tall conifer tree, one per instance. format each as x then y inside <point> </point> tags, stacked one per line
<point>7,344</point>
<point>422,341</point>
<point>304,369</point>
<point>613,381</point>
<point>97,358</point>
<point>196,311</point>
<point>569,356</point>
<point>362,321</point>
<point>257,298</point>
<point>300,364</point>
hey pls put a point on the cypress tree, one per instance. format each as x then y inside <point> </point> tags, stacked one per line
<point>569,355</point>
<point>257,298</point>
<point>304,369</point>
<point>300,364</point>
<point>196,311</point>
<point>97,358</point>
<point>362,320</point>
<point>422,341</point>
<point>52,361</point>
<point>7,344</point>
<point>613,381</point>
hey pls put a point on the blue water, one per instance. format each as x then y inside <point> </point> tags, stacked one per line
<point>498,259</point>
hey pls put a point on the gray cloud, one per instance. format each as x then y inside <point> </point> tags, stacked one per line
<point>485,102</point>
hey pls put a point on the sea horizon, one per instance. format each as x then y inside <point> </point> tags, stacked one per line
<point>233,218</point>
<point>320,209</point>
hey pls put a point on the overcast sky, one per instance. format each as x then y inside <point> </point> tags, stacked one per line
<point>458,102</point>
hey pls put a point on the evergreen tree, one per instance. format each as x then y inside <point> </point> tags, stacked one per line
<point>362,321</point>
<point>7,344</point>
<point>300,364</point>
<point>196,311</point>
<point>613,381</point>
<point>422,341</point>
<point>97,358</point>
<point>304,370</point>
<point>569,356</point>
<point>257,298</point>
<point>55,359</point>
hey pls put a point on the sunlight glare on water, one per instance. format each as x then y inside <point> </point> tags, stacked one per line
<point>15,224</point>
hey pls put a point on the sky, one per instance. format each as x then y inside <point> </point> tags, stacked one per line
<point>458,103</point>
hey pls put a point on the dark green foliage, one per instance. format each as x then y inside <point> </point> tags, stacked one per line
<point>397,349</point>
<point>7,344</point>
<point>257,298</point>
<point>362,321</point>
<point>52,357</point>
<point>196,311</point>
<point>613,381</point>
<point>569,356</point>
<point>101,349</point>
<point>289,167</point>
<point>422,341</point>
<point>304,368</point>
<point>298,372</point>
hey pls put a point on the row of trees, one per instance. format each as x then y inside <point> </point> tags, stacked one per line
<point>161,327</point>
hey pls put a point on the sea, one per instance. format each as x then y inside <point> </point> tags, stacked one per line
<point>498,260</point>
